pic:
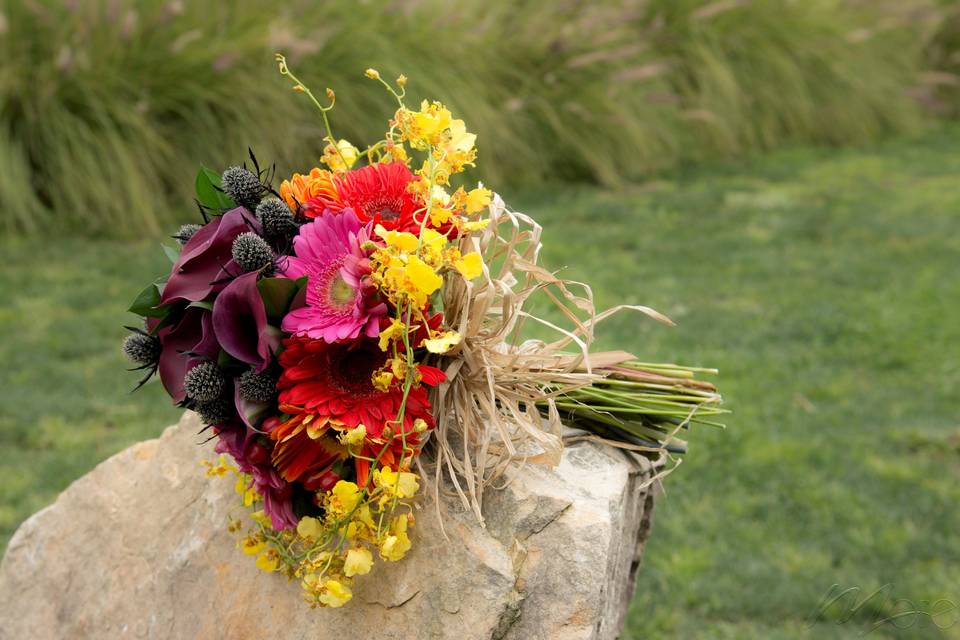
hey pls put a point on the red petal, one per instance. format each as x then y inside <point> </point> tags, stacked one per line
<point>431,375</point>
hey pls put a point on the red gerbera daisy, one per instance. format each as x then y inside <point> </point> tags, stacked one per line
<point>378,192</point>
<point>328,388</point>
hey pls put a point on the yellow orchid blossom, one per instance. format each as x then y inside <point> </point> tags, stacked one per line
<point>470,265</point>
<point>401,240</point>
<point>341,157</point>
<point>335,594</point>
<point>309,528</point>
<point>354,437</point>
<point>395,545</point>
<point>403,484</point>
<point>423,280</point>
<point>442,342</point>
<point>477,200</point>
<point>358,562</point>
<point>344,497</point>
<point>268,560</point>
<point>251,545</point>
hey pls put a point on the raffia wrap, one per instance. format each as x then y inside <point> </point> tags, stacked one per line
<point>487,410</point>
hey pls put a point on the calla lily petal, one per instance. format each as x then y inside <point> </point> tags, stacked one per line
<point>207,258</point>
<point>240,320</point>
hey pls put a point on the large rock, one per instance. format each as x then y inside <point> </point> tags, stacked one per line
<point>139,548</point>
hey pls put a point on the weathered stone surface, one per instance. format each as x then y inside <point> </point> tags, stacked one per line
<point>138,548</point>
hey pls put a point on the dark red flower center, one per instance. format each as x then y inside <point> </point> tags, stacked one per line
<point>388,208</point>
<point>379,191</point>
<point>351,369</point>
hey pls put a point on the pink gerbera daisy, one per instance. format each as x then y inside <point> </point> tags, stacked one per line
<point>338,304</point>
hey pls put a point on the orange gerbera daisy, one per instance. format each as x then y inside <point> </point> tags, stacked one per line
<point>309,193</point>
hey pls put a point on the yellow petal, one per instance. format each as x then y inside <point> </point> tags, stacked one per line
<point>341,157</point>
<point>398,367</point>
<point>475,225</point>
<point>402,483</point>
<point>439,215</point>
<point>379,479</point>
<point>399,525</point>
<point>392,549</point>
<point>394,546</point>
<point>347,152</point>
<point>317,428</point>
<point>364,516</point>
<point>335,594</point>
<point>470,265</point>
<point>408,485</point>
<point>401,240</point>
<point>268,561</point>
<point>347,494</point>
<point>354,436</point>
<point>309,527</point>
<point>423,277</point>
<point>440,196</point>
<point>358,562</point>
<point>432,240</point>
<point>251,546</point>
<point>394,331</point>
<point>382,380</point>
<point>460,140</point>
<point>350,531</point>
<point>443,342</point>
<point>478,199</point>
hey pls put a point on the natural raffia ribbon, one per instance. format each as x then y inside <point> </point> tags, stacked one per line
<point>498,405</point>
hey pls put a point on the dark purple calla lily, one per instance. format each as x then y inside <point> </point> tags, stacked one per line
<point>241,324</point>
<point>206,261</point>
<point>185,344</point>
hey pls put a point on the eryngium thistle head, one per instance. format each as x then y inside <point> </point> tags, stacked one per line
<point>141,348</point>
<point>204,382</point>
<point>258,387</point>
<point>186,232</point>
<point>243,186</point>
<point>216,411</point>
<point>276,219</point>
<point>251,252</point>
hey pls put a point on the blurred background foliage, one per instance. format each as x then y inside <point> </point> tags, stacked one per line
<point>108,106</point>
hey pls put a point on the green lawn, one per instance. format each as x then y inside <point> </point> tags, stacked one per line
<point>825,287</point>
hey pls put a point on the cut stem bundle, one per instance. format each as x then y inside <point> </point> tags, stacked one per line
<point>643,405</point>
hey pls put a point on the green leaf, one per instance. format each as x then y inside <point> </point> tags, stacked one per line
<point>277,294</point>
<point>147,302</point>
<point>202,304</point>
<point>228,362</point>
<point>168,319</point>
<point>209,193</point>
<point>172,254</point>
<point>300,299</point>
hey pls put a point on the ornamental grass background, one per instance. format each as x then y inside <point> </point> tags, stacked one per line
<point>107,105</point>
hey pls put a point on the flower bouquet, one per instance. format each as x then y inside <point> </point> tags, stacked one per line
<point>332,330</point>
